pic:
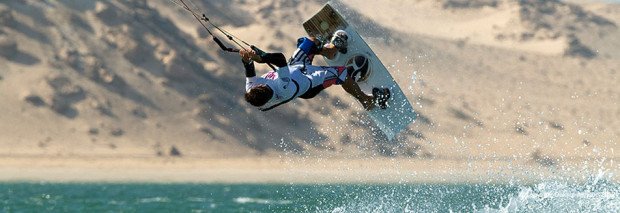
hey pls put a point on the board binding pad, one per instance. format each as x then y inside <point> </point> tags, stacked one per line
<point>399,113</point>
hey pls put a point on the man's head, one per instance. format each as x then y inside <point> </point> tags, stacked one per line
<point>259,96</point>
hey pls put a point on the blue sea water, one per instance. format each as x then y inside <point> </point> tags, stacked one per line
<point>597,195</point>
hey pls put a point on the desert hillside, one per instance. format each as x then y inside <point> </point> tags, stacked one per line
<point>490,80</point>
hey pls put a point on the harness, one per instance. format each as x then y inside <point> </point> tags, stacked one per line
<point>286,101</point>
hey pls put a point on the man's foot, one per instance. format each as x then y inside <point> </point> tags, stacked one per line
<point>339,40</point>
<point>381,96</point>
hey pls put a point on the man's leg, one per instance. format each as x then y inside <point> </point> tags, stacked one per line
<point>351,87</point>
<point>324,77</point>
<point>338,43</point>
<point>329,51</point>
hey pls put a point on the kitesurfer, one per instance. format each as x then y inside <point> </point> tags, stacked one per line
<point>299,78</point>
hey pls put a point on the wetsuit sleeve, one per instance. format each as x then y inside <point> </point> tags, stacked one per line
<point>276,59</point>
<point>250,71</point>
<point>250,83</point>
<point>250,75</point>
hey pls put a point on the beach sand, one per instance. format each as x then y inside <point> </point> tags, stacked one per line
<point>293,170</point>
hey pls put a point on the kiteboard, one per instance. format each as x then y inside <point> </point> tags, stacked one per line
<point>399,113</point>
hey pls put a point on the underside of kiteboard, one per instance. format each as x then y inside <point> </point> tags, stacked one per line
<point>399,113</point>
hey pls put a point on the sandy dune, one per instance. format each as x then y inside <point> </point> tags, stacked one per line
<point>526,81</point>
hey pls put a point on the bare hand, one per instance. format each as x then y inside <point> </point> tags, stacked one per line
<point>247,55</point>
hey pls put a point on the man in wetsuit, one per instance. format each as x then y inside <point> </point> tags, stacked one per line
<point>299,78</point>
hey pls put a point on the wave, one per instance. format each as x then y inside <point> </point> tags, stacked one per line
<point>154,200</point>
<point>246,200</point>
<point>597,194</point>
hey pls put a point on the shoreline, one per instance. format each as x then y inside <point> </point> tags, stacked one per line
<point>282,170</point>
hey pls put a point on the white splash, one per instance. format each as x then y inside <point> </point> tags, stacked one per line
<point>246,200</point>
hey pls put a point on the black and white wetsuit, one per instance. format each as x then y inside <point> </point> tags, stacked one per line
<point>297,78</point>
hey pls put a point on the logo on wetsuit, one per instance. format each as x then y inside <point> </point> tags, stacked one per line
<point>270,75</point>
<point>274,75</point>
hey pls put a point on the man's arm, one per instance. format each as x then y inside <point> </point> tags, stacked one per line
<point>262,57</point>
<point>247,58</point>
<point>250,71</point>
<point>276,59</point>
